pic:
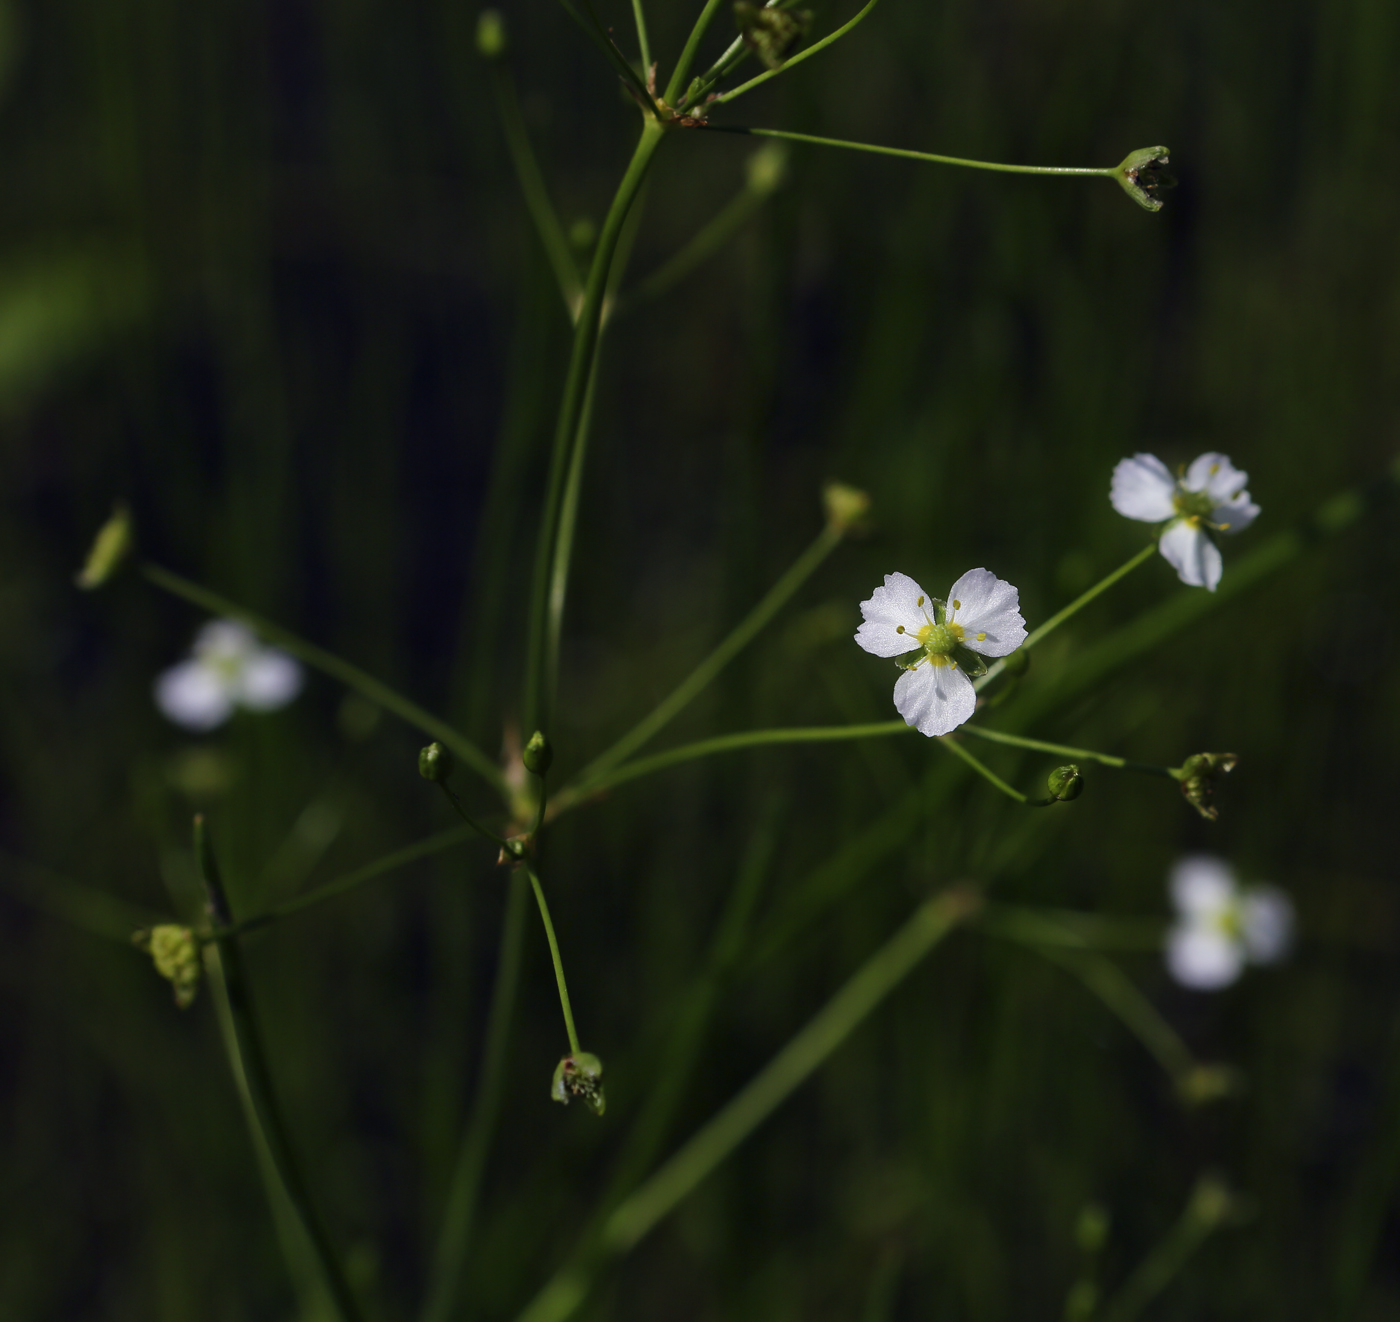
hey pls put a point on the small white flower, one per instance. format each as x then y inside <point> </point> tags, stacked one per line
<point>1209,495</point>
<point>1221,925</point>
<point>982,615</point>
<point>229,669</point>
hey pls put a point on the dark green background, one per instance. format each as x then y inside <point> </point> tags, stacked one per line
<point>264,272</point>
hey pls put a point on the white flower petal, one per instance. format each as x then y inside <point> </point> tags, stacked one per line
<point>269,679</point>
<point>1202,886</point>
<point>901,602</point>
<point>1214,474</point>
<point>1235,515</point>
<point>225,642</point>
<point>194,695</point>
<point>1266,917</point>
<point>1143,488</point>
<point>987,605</point>
<point>934,699</point>
<point>1192,554</point>
<point>1203,958</point>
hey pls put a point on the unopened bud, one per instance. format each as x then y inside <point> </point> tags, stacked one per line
<point>1198,775</point>
<point>435,763</point>
<point>538,755</point>
<point>490,34</point>
<point>770,31</point>
<point>1208,1083</point>
<point>580,1076</point>
<point>845,506</point>
<point>175,953</point>
<point>767,168</point>
<point>1211,1201</point>
<point>1143,178</point>
<point>1065,783</point>
<point>110,548</point>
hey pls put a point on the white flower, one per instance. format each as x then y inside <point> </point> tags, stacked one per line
<point>1221,925</point>
<point>229,669</point>
<point>1209,495</point>
<point>981,615</point>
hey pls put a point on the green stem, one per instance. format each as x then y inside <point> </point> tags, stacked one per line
<point>590,784</point>
<point>954,747</point>
<point>471,821</point>
<point>777,597</point>
<point>643,45</point>
<point>434,844</point>
<point>537,699</point>
<point>330,664</point>
<point>536,194</point>
<point>558,962</point>
<point>806,54</point>
<point>249,1062</point>
<point>792,1066</point>
<point>682,70</point>
<point>602,38</point>
<point>1064,750</point>
<point>1108,173</point>
<point>462,1198</point>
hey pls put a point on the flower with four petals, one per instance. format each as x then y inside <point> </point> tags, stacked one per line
<point>939,642</point>
<point>1209,496</point>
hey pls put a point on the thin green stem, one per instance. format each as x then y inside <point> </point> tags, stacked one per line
<point>1064,750</point>
<point>454,1240</point>
<point>999,167</point>
<point>248,1059</point>
<point>590,784</point>
<point>328,663</point>
<point>814,49</point>
<point>537,699</point>
<point>558,961</point>
<point>743,633</point>
<point>534,191</point>
<point>434,844</point>
<point>643,45</point>
<point>954,747</point>
<point>470,820</point>
<point>793,1065</point>
<point>602,38</point>
<point>681,72</point>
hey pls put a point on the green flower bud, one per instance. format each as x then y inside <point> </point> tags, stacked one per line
<point>580,1076</point>
<point>1208,1083</point>
<point>1065,783</point>
<point>175,953</point>
<point>1211,1201</point>
<point>845,506</point>
<point>1142,177</point>
<point>1198,775</point>
<point>770,32</point>
<point>538,755</point>
<point>110,548</point>
<point>490,34</point>
<point>435,763</point>
<point>766,169</point>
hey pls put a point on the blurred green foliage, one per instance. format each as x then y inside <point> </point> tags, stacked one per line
<point>265,274</point>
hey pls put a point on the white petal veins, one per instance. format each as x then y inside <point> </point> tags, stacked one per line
<point>889,607</point>
<point>934,699</point>
<point>1192,554</point>
<point>989,605</point>
<point>1142,488</point>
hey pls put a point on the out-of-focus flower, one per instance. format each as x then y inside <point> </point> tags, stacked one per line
<point>1221,926</point>
<point>1207,497</point>
<point>939,642</point>
<point>229,669</point>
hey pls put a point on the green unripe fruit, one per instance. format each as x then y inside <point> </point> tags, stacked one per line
<point>435,763</point>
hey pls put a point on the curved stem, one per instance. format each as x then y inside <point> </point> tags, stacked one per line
<point>558,961</point>
<point>602,38</point>
<point>801,55</point>
<point>328,663</point>
<point>1108,173</point>
<point>537,698</point>
<point>1064,750</point>
<point>952,745</point>
<point>682,70</point>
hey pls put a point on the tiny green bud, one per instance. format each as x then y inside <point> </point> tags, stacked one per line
<point>1091,1227</point>
<point>175,953</point>
<point>490,34</point>
<point>435,763</point>
<point>766,169</point>
<point>1208,1083</point>
<point>1198,775</point>
<point>110,548</point>
<point>580,1076</point>
<point>538,755</point>
<point>1142,177</point>
<point>1211,1201</point>
<point>845,506</point>
<point>1065,783</point>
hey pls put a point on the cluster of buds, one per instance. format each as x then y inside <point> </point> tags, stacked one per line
<point>1197,776</point>
<point>175,953</point>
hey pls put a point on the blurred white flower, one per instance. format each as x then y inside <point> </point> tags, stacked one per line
<point>1209,496</point>
<point>229,669</point>
<point>939,641</point>
<point>1221,925</point>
